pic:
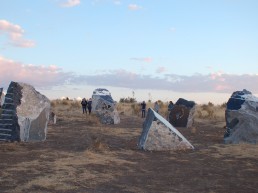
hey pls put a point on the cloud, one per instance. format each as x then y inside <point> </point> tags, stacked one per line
<point>161,69</point>
<point>71,3</point>
<point>147,59</point>
<point>49,76</point>
<point>134,7</point>
<point>15,34</point>
<point>40,76</point>
<point>196,83</point>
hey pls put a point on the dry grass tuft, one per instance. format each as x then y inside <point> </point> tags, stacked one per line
<point>68,109</point>
<point>128,109</point>
<point>236,150</point>
<point>93,120</point>
<point>71,110</point>
<point>193,130</point>
<point>75,104</point>
<point>10,147</point>
<point>136,108</point>
<point>210,111</point>
<point>98,145</point>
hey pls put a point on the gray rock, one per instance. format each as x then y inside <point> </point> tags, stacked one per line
<point>104,107</point>
<point>159,135</point>
<point>25,114</point>
<point>1,92</point>
<point>182,113</point>
<point>52,118</point>
<point>241,118</point>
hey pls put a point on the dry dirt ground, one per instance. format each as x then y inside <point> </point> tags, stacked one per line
<point>82,156</point>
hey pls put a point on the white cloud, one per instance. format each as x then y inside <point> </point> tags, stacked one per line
<point>49,76</point>
<point>161,69</point>
<point>146,59</point>
<point>15,34</point>
<point>71,3</point>
<point>134,7</point>
<point>226,83</point>
<point>41,76</point>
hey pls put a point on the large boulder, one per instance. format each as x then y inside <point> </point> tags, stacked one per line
<point>182,113</point>
<point>25,114</point>
<point>105,107</point>
<point>159,135</point>
<point>241,118</point>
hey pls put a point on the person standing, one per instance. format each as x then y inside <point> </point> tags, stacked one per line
<point>156,106</point>
<point>170,107</point>
<point>89,105</point>
<point>143,104</point>
<point>84,106</point>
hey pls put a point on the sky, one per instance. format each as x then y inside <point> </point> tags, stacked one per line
<point>200,50</point>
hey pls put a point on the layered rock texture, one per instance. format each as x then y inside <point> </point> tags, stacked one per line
<point>1,92</point>
<point>159,135</point>
<point>104,107</point>
<point>182,114</point>
<point>241,118</point>
<point>25,114</point>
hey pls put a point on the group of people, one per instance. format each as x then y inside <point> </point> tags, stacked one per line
<point>86,104</point>
<point>156,107</point>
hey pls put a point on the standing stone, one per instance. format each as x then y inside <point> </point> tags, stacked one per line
<point>182,114</point>
<point>2,97</point>
<point>1,92</point>
<point>25,114</point>
<point>105,107</point>
<point>159,135</point>
<point>52,118</point>
<point>241,118</point>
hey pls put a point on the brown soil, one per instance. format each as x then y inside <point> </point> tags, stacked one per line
<point>79,156</point>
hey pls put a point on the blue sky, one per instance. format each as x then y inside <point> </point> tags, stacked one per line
<point>201,50</point>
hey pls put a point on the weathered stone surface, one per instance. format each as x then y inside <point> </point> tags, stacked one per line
<point>52,118</point>
<point>159,135</point>
<point>186,103</point>
<point>9,127</point>
<point>104,107</point>
<point>25,114</point>
<point>241,118</point>
<point>182,114</point>
<point>1,92</point>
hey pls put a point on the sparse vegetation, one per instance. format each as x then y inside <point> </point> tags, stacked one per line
<point>210,111</point>
<point>82,155</point>
<point>127,100</point>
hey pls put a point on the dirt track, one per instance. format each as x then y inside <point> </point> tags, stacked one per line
<point>80,157</point>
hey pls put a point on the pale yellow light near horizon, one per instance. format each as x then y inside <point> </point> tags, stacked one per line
<point>140,95</point>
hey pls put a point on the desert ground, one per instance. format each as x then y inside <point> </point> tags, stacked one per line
<point>81,155</point>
